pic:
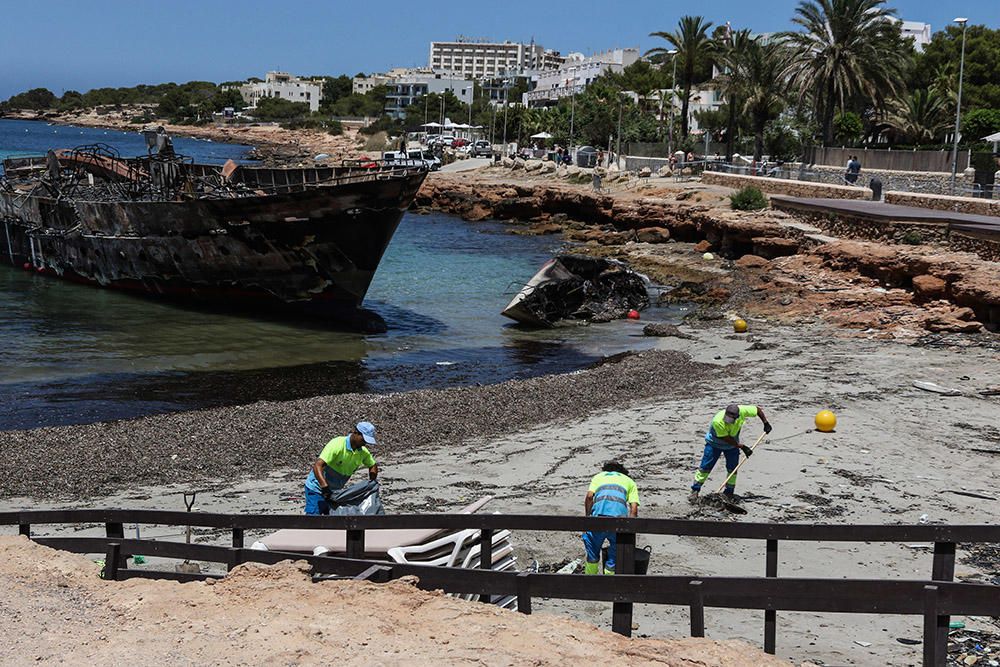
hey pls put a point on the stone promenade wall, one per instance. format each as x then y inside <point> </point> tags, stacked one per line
<point>925,181</point>
<point>781,186</point>
<point>945,203</point>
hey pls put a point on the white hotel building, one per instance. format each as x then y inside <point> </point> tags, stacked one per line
<point>285,86</point>
<point>576,74</point>
<point>485,60</point>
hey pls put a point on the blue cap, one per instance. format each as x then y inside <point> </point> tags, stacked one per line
<point>367,430</point>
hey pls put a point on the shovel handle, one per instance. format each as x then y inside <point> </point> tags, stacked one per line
<point>740,464</point>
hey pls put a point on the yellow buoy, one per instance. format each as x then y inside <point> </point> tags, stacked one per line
<point>740,326</point>
<point>708,257</point>
<point>826,421</point>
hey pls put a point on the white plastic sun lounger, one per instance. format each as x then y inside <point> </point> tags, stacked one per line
<point>439,548</point>
<point>377,542</point>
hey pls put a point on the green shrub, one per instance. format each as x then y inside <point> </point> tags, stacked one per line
<point>748,199</point>
<point>913,237</point>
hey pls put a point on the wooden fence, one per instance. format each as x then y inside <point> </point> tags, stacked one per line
<point>936,598</point>
<point>893,160</point>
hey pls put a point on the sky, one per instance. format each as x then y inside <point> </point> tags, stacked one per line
<point>78,45</point>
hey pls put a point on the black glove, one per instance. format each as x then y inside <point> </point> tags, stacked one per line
<point>767,427</point>
<point>747,450</point>
<point>327,493</point>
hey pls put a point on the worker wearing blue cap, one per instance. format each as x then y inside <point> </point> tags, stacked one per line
<point>335,465</point>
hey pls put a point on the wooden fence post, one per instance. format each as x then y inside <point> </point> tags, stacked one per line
<point>485,556</point>
<point>111,559</point>
<point>930,626</point>
<point>116,531</point>
<point>621,612</point>
<point>770,615</point>
<point>697,609</point>
<point>355,543</point>
<point>237,538</point>
<point>24,529</point>
<point>524,592</point>
<point>943,570</point>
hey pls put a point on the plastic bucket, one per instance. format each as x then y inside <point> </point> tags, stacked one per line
<point>642,556</point>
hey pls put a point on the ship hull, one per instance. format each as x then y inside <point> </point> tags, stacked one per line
<point>311,247</point>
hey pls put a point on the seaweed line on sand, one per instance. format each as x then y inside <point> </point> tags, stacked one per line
<point>248,441</point>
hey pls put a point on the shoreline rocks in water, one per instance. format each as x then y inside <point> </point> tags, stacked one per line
<point>784,267</point>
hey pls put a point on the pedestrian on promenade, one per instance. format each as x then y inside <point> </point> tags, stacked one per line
<point>723,439</point>
<point>335,465</point>
<point>612,493</point>
<point>853,170</point>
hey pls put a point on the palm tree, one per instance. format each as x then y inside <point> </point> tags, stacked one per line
<point>764,85</point>
<point>919,117</point>
<point>847,51</point>
<point>693,46</point>
<point>731,56</point>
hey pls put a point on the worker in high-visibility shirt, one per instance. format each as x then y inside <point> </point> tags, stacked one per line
<point>612,493</point>
<point>723,440</point>
<point>335,465</point>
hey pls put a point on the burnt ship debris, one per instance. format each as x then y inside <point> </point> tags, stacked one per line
<point>577,287</point>
<point>306,239</point>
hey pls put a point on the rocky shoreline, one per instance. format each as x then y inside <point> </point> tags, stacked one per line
<point>767,263</point>
<point>271,145</point>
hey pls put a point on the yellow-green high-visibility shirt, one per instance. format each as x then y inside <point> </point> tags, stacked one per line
<point>613,493</point>
<point>721,429</point>
<point>342,460</point>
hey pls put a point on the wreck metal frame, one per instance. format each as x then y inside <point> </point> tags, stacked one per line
<point>936,599</point>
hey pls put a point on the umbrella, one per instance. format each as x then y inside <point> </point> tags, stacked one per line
<point>541,135</point>
<point>431,124</point>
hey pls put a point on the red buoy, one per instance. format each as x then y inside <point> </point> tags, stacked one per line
<point>633,314</point>
<point>27,266</point>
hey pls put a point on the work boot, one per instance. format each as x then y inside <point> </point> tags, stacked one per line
<point>591,568</point>
<point>607,571</point>
<point>693,497</point>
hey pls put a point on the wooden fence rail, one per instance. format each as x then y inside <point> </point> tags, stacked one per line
<point>935,599</point>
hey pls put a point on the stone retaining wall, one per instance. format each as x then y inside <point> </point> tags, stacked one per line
<point>926,181</point>
<point>781,186</point>
<point>945,203</point>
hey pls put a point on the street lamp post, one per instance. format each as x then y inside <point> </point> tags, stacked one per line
<point>958,107</point>
<point>673,98</point>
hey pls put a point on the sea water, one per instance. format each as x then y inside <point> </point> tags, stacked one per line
<point>77,354</point>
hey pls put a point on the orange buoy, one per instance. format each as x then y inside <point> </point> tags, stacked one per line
<point>826,421</point>
<point>633,314</point>
<point>740,325</point>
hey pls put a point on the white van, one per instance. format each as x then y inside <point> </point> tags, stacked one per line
<point>413,158</point>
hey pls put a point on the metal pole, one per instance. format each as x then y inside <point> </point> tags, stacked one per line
<point>572,115</point>
<point>673,101</point>
<point>958,107</point>
<point>618,146</point>
<point>505,105</point>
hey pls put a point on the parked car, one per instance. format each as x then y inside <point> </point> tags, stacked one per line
<point>458,143</point>
<point>432,161</point>
<point>480,148</point>
<point>413,157</point>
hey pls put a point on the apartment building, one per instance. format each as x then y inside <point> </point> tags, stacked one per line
<point>408,87</point>
<point>482,59</point>
<point>575,74</point>
<point>285,86</point>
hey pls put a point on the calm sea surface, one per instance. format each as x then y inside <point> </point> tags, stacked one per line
<point>77,354</point>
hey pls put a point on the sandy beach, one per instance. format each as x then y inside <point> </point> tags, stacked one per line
<point>899,454</point>
<point>896,456</point>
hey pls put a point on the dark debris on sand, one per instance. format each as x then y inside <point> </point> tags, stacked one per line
<point>249,441</point>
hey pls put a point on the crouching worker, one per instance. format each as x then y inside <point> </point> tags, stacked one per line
<point>612,493</point>
<point>335,465</point>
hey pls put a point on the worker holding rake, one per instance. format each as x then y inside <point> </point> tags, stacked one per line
<point>723,439</point>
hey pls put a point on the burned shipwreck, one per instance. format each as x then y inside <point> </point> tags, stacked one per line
<point>576,287</point>
<point>309,239</point>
